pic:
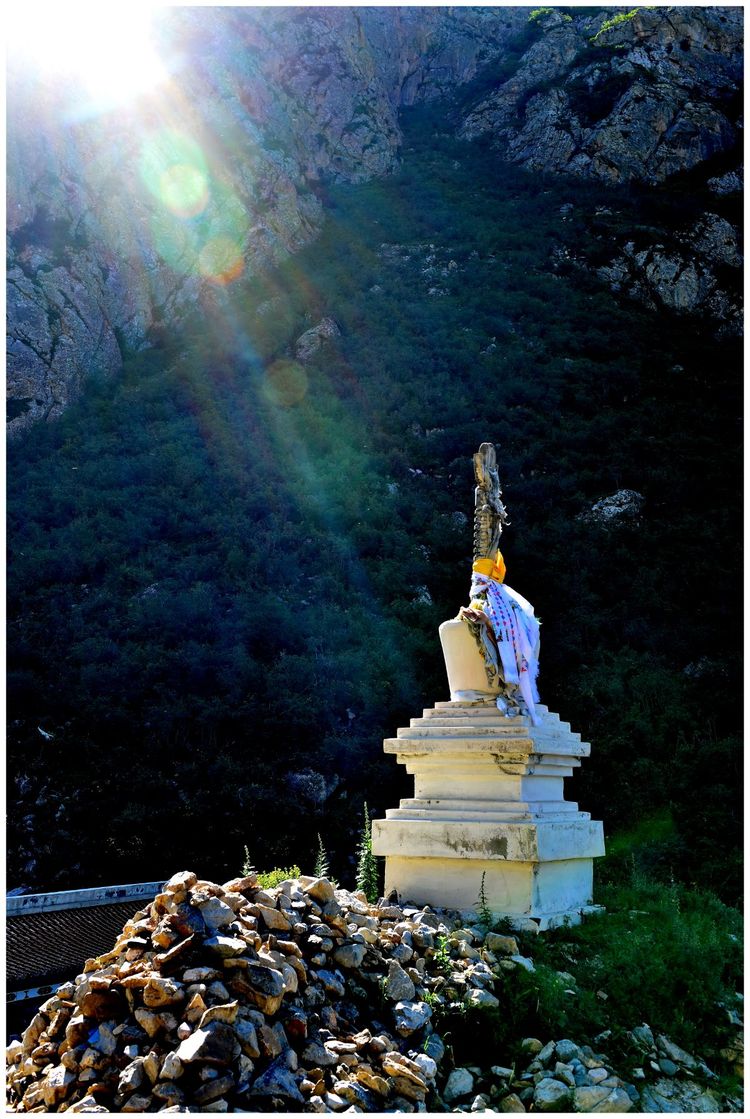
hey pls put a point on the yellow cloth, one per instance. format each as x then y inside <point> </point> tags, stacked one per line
<point>493,569</point>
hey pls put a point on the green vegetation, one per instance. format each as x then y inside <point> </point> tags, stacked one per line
<point>442,957</point>
<point>669,957</point>
<point>272,878</point>
<point>539,13</point>
<point>615,21</point>
<point>321,861</point>
<point>368,878</point>
<point>486,917</point>
<point>215,588</point>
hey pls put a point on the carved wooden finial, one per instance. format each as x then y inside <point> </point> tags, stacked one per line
<point>489,511</point>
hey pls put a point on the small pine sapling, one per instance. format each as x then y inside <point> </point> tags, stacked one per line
<point>367,868</point>
<point>321,861</point>
<point>484,912</point>
<point>247,866</point>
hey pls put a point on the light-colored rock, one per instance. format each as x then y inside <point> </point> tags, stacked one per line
<point>398,985</point>
<point>482,1000</point>
<point>624,506</point>
<point>459,1084</point>
<point>56,1086</point>
<point>224,947</point>
<point>172,1067</point>
<point>551,1095</point>
<point>308,344</point>
<point>350,955</point>
<point>618,1100</point>
<point>674,1053</point>
<point>217,1043</point>
<point>427,1066</point>
<point>512,1103</point>
<point>588,1097</point>
<point>216,913</point>
<point>411,1016</point>
<point>160,992</point>
<point>505,945</point>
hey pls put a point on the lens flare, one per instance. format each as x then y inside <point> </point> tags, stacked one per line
<point>174,169</point>
<point>220,260</point>
<point>285,383</point>
<point>183,188</point>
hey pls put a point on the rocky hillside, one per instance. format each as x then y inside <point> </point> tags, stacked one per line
<point>307,998</point>
<point>621,96</point>
<point>122,223</point>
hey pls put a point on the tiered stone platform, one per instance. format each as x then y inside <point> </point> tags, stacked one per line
<point>488,800</point>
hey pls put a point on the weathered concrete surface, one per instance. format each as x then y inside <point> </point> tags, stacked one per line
<point>489,807</point>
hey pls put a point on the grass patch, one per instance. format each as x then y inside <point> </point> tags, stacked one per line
<point>668,956</point>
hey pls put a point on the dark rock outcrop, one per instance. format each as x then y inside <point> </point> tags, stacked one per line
<point>630,99</point>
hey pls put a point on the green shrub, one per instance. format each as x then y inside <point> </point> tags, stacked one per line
<point>273,877</point>
<point>367,867</point>
<point>615,21</point>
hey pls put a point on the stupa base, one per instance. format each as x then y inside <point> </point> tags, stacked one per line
<point>489,817</point>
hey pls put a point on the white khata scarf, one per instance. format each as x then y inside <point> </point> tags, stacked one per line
<point>516,632</point>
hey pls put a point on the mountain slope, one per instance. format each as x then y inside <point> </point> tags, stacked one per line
<point>122,222</point>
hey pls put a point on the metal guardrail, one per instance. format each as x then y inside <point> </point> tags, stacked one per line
<point>43,933</point>
<point>80,899</point>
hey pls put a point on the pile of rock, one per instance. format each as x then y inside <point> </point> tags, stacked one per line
<point>220,998</point>
<point>305,997</point>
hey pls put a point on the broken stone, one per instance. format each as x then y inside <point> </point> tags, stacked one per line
<point>398,985</point>
<point>587,1098</point>
<point>225,946</point>
<point>56,1086</point>
<point>172,1067</point>
<point>216,1043</point>
<point>460,1083</point>
<point>213,1090</point>
<point>162,992</point>
<point>277,1080</point>
<point>512,1103</point>
<point>137,1103</point>
<point>482,1000</point>
<point>411,1016</point>
<point>551,1095</point>
<point>216,913</point>
<point>350,955</point>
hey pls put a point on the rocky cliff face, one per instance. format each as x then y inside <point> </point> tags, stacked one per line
<point>620,98</point>
<point>122,221</point>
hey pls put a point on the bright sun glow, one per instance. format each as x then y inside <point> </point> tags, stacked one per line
<point>107,50</point>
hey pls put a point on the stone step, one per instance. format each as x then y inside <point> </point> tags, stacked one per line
<point>482,808</point>
<point>485,711</point>
<point>489,715</point>
<point>474,730</point>
<point>494,746</point>
<point>512,815</point>
<point>429,728</point>
<point>467,704</point>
